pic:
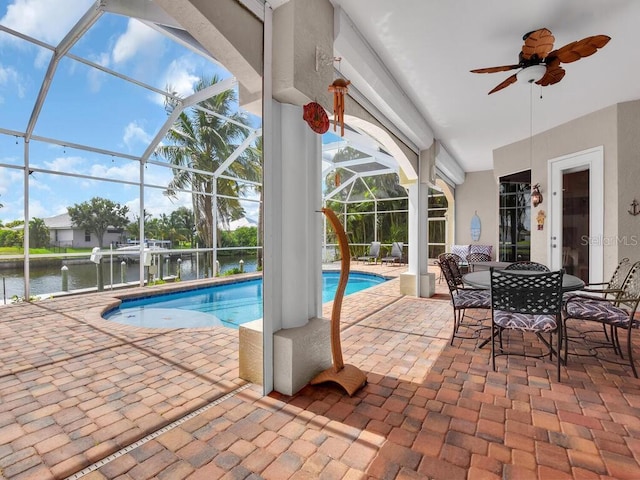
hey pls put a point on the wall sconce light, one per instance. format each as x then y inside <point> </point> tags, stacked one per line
<point>536,196</point>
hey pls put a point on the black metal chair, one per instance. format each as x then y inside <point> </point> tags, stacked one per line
<point>462,298</point>
<point>613,287</point>
<point>528,303</point>
<point>442,257</point>
<point>527,265</point>
<point>477,257</point>
<point>610,289</point>
<point>618,312</point>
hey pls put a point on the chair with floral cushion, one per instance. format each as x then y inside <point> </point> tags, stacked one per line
<point>528,303</point>
<point>462,298</point>
<point>618,312</point>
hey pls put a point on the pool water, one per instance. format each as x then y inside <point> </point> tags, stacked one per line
<point>227,305</point>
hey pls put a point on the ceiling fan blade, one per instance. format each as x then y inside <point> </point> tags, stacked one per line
<point>554,74</point>
<point>504,84</point>
<point>579,49</point>
<point>537,44</point>
<point>503,68</point>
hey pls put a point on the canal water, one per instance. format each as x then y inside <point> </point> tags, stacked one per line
<point>47,279</point>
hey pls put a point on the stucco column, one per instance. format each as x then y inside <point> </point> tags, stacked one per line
<point>293,256</point>
<point>417,281</point>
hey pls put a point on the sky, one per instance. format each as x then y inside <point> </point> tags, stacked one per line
<point>89,107</point>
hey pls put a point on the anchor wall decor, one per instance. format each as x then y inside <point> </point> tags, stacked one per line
<point>634,208</point>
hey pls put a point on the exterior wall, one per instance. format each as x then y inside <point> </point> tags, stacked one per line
<point>295,39</point>
<point>592,130</point>
<point>65,237</point>
<point>233,36</point>
<point>478,193</point>
<point>628,181</point>
<point>359,117</point>
<point>75,238</point>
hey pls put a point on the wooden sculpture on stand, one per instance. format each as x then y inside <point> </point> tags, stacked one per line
<point>349,377</point>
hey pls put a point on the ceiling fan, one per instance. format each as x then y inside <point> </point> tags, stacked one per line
<point>539,63</point>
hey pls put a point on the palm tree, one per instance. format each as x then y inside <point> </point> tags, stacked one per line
<point>203,141</point>
<point>254,172</point>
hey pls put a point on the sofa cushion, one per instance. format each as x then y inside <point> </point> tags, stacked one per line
<point>461,250</point>
<point>486,249</point>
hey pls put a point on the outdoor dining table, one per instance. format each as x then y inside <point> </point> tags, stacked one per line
<point>488,265</point>
<point>482,279</point>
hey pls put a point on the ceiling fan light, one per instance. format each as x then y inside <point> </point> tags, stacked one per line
<point>531,74</point>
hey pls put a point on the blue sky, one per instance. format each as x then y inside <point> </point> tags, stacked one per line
<point>87,106</point>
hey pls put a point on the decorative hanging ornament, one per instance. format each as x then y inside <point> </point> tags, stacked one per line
<point>339,87</point>
<point>316,117</point>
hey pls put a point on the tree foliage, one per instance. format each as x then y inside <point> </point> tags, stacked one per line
<point>38,233</point>
<point>11,238</point>
<point>183,223</point>
<point>97,215</point>
<point>202,141</point>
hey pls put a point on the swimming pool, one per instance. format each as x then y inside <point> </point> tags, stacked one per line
<point>228,305</point>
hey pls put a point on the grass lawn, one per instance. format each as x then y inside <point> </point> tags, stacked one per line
<point>20,250</point>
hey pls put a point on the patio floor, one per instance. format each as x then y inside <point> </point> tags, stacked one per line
<point>84,398</point>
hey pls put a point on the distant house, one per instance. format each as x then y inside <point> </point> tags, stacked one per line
<point>62,233</point>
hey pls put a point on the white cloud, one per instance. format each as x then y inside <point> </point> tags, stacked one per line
<point>138,39</point>
<point>95,76</point>
<point>179,78</point>
<point>134,133</point>
<point>65,164</point>
<point>35,183</point>
<point>157,204</point>
<point>10,78</point>
<point>36,209</point>
<point>129,172</point>
<point>43,19</point>
<point>8,180</point>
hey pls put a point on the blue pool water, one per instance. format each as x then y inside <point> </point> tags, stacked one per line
<point>228,305</point>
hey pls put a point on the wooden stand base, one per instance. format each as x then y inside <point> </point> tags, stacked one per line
<point>349,377</point>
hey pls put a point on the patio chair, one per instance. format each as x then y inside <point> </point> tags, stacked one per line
<point>610,289</point>
<point>614,286</point>
<point>528,303</point>
<point>462,298</point>
<point>527,265</point>
<point>396,253</point>
<point>374,253</point>
<point>458,261</point>
<point>477,257</point>
<point>618,312</point>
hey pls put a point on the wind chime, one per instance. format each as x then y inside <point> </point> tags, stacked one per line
<point>339,87</point>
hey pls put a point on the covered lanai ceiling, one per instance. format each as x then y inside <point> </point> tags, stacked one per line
<point>429,47</point>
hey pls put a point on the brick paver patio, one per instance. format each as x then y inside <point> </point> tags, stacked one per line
<point>84,398</point>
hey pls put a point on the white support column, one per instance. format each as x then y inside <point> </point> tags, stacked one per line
<point>417,280</point>
<point>293,256</point>
<point>27,270</point>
